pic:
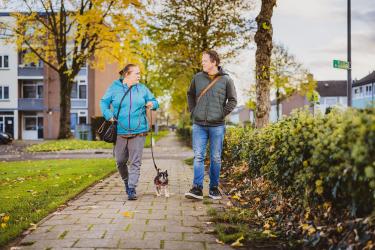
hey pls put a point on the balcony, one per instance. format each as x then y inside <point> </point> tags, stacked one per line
<point>30,104</point>
<point>78,103</point>
<point>30,71</point>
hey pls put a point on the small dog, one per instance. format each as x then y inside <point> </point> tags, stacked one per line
<point>161,182</point>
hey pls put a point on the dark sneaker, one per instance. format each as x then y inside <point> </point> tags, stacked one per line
<point>195,193</point>
<point>214,193</point>
<point>131,194</point>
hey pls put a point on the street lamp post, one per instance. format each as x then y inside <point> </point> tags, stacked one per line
<point>349,84</point>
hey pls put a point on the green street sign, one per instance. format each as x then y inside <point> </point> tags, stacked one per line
<point>340,64</point>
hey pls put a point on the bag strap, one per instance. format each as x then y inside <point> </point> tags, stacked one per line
<point>119,108</point>
<point>204,91</point>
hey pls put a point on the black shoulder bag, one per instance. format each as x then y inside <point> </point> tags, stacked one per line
<point>108,130</point>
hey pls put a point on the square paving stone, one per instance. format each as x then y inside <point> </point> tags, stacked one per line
<point>162,236</point>
<point>183,245</point>
<point>97,243</point>
<point>140,244</point>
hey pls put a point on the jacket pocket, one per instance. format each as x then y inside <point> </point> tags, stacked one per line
<point>199,113</point>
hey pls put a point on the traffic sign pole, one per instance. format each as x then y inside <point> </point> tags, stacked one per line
<point>349,83</point>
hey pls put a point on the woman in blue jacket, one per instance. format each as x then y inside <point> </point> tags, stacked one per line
<point>132,124</point>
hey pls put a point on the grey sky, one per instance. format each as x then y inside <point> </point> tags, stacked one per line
<point>316,33</point>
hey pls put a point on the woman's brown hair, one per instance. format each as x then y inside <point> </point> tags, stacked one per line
<point>127,68</point>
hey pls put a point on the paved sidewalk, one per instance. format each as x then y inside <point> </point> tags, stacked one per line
<point>99,219</point>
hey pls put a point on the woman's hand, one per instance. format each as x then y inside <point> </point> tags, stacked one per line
<point>112,119</point>
<point>149,105</point>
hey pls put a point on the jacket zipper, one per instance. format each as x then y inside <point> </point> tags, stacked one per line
<point>130,106</point>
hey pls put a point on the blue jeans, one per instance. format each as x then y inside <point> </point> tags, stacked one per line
<point>201,135</point>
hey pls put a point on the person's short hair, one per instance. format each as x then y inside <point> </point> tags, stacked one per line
<point>214,56</point>
<point>127,68</point>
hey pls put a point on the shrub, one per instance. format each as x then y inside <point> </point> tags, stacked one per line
<point>288,145</point>
<point>185,134</point>
<point>313,159</point>
<point>342,166</point>
<point>234,149</point>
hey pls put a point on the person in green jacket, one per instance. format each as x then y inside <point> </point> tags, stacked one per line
<point>208,115</point>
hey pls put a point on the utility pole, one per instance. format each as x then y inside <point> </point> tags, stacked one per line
<point>349,84</point>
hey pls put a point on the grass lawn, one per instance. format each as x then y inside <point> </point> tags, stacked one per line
<point>30,190</point>
<point>73,144</point>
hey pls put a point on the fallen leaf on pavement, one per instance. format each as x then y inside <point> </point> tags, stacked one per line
<point>219,241</point>
<point>237,243</point>
<point>127,214</point>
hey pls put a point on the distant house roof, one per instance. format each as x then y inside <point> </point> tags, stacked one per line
<point>370,78</point>
<point>332,88</point>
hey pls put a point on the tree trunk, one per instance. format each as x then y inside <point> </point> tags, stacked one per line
<point>263,39</point>
<point>277,103</point>
<point>65,105</point>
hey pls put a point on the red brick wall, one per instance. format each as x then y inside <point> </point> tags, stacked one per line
<point>99,80</point>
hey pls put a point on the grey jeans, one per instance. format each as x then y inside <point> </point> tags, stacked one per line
<point>128,154</point>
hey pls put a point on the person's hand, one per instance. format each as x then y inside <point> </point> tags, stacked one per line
<point>112,119</point>
<point>149,105</point>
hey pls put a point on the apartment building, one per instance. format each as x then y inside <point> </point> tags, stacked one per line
<point>8,87</point>
<point>30,96</point>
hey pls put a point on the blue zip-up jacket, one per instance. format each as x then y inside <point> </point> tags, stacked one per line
<point>132,118</point>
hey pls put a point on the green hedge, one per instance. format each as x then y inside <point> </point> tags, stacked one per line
<point>313,159</point>
<point>185,135</point>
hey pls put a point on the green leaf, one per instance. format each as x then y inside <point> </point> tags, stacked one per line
<point>265,26</point>
<point>369,171</point>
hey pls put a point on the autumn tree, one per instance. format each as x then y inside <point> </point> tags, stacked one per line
<point>263,39</point>
<point>288,76</point>
<point>183,29</point>
<point>285,73</point>
<point>66,35</point>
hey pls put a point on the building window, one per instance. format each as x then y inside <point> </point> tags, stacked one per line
<point>77,118</point>
<point>30,123</point>
<point>32,90</point>
<point>4,62</point>
<point>4,92</point>
<point>82,92</point>
<point>368,90</point>
<point>82,117</point>
<point>82,120</point>
<point>79,90</point>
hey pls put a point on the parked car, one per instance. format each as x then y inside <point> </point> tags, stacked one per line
<point>5,138</point>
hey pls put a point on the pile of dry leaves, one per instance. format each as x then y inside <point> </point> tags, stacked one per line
<point>287,223</point>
